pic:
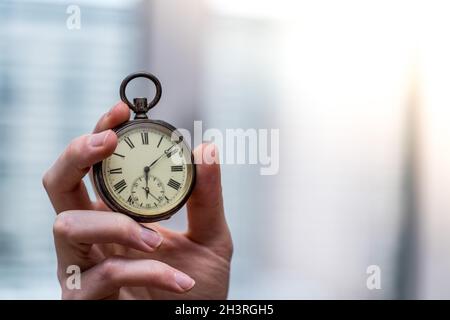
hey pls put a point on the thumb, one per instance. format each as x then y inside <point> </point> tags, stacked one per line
<point>206,218</point>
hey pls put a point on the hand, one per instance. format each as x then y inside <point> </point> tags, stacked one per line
<point>147,190</point>
<point>122,259</point>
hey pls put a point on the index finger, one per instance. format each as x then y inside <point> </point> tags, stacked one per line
<point>117,115</point>
<point>63,181</point>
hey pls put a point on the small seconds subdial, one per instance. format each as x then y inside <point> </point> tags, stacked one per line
<point>147,191</point>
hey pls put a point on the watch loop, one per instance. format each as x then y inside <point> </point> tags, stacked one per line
<point>140,105</point>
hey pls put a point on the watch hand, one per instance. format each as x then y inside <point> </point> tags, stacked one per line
<point>146,192</point>
<point>146,170</point>
<point>164,154</point>
<point>153,196</point>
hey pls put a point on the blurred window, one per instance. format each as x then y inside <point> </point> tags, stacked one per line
<point>49,73</point>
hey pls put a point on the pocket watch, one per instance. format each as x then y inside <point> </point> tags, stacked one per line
<point>151,173</point>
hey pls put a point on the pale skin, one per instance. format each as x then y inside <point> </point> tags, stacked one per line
<point>122,259</point>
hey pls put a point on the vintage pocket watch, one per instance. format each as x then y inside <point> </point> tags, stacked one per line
<point>151,173</point>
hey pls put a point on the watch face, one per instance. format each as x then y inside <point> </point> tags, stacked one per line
<point>150,174</point>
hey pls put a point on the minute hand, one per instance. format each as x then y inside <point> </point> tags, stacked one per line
<point>164,154</point>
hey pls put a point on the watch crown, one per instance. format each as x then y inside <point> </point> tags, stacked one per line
<point>141,108</point>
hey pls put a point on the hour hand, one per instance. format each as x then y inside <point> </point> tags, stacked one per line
<point>146,170</point>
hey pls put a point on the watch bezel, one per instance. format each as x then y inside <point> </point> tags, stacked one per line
<point>108,199</point>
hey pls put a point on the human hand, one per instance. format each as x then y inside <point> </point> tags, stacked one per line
<point>122,259</point>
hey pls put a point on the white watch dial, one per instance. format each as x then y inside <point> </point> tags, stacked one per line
<point>148,173</point>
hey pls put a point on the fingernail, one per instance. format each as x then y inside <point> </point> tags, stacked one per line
<point>184,281</point>
<point>98,139</point>
<point>210,154</point>
<point>151,237</point>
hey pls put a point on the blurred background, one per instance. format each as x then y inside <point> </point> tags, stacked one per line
<point>358,90</point>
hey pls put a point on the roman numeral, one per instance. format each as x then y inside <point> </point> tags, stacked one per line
<point>144,137</point>
<point>119,155</point>
<point>130,200</point>
<point>120,186</point>
<point>115,171</point>
<point>174,184</point>
<point>129,142</point>
<point>159,142</point>
<point>176,168</point>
